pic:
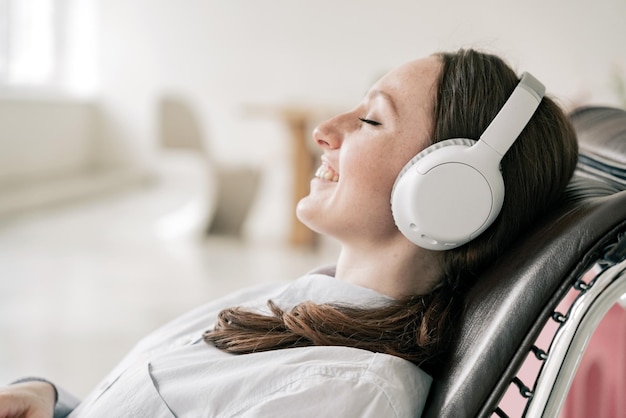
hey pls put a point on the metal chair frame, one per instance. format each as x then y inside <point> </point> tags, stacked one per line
<point>600,287</point>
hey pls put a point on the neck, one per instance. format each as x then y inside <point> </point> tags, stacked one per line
<point>398,270</point>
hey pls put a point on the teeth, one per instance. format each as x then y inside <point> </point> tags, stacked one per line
<point>324,172</point>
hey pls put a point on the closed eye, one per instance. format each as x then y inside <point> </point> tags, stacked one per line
<point>370,122</point>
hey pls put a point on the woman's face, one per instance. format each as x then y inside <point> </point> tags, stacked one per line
<point>363,152</point>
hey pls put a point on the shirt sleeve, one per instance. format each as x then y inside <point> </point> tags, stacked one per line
<point>66,403</point>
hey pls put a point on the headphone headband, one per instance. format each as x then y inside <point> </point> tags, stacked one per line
<point>514,115</point>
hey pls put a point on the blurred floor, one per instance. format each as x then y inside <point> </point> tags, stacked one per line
<point>80,284</point>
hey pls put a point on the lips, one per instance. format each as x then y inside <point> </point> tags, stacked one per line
<point>326,172</point>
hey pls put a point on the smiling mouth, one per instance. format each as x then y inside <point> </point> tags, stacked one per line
<point>325,172</point>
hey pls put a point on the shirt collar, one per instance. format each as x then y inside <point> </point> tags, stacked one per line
<point>320,287</point>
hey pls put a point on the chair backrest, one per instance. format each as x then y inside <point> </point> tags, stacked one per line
<point>179,127</point>
<point>509,306</point>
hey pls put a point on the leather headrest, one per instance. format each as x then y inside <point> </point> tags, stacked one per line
<point>601,135</point>
<point>506,309</point>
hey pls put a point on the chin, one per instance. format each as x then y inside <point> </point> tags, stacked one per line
<point>309,215</point>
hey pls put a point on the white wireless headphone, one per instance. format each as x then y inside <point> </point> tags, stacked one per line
<point>449,193</point>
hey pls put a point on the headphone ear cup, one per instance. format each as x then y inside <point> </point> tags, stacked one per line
<point>440,199</point>
<point>451,192</point>
<point>429,150</point>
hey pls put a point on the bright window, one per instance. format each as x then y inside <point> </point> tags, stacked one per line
<point>48,44</point>
<point>30,42</point>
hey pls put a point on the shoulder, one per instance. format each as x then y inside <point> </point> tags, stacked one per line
<point>339,381</point>
<point>303,382</point>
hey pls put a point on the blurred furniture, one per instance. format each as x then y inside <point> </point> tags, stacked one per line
<point>569,270</point>
<point>225,194</point>
<point>600,383</point>
<point>53,153</point>
<point>299,121</point>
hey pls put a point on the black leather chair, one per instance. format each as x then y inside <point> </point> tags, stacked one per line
<point>513,301</point>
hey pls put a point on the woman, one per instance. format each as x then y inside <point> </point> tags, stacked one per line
<point>362,338</point>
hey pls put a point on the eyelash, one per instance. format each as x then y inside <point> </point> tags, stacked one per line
<point>370,122</point>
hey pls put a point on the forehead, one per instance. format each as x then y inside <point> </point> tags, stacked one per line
<point>414,81</point>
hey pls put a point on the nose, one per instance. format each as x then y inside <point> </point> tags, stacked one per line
<point>329,134</point>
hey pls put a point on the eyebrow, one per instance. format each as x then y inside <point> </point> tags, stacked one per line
<point>374,94</point>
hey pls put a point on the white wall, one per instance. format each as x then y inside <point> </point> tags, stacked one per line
<point>223,55</point>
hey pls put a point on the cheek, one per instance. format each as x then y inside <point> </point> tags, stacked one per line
<point>372,175</point>
<point>370,167</point>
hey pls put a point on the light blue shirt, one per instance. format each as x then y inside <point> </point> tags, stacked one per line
<point>174,373</point>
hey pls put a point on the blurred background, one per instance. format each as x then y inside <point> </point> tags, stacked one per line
<point>151,151</point>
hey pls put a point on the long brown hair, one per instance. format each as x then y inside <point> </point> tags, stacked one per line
<point>472,88</point>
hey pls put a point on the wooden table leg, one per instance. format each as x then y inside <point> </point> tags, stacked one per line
<point>303,165</point>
